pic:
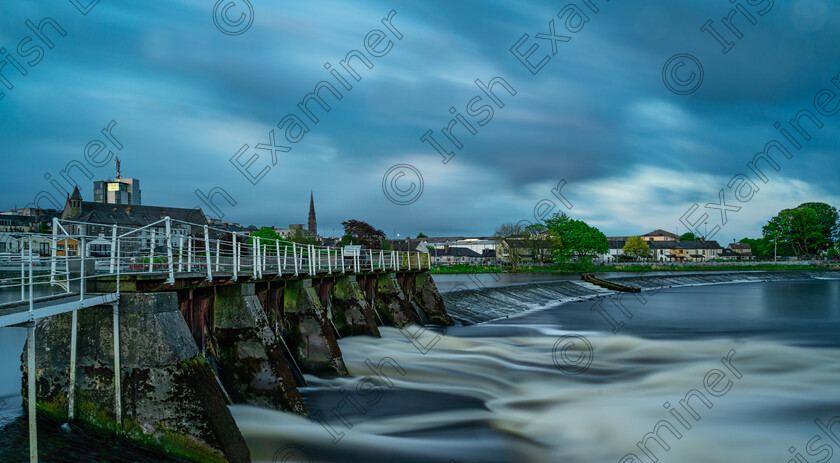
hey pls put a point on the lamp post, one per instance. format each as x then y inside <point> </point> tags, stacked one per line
<point>775,245</point>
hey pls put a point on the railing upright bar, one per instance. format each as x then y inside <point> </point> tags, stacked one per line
<point>152,253</point>
<point>53,253</point>
<point>207,254</point>
<point>370,256</point>
<point>113,246</point>
<point>294,257</point>
<point>218,253</point>
<point>67,271</point>
<point>82,271</point>
<point>180,253</point>
<point>170,264</point>
<point>279,268</point>
<point>329,261</point>
<point>22,269</point>
<point>235,257</point>
<point>189,253</point>
<point>285,255</point>
<point>31,284</point>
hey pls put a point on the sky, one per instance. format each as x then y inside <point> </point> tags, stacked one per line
<point>615,110</point>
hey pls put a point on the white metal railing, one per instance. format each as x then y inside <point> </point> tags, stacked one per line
<point>169,247</point>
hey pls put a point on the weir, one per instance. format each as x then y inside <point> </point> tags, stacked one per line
<point>154,347</point>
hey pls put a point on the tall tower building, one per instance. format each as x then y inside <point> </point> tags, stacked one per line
<point>118,191</point>
<point>312,226</point>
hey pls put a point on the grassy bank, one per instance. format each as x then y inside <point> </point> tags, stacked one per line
<point>579,268</point>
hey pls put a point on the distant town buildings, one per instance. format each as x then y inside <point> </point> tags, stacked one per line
<point>98,218</point>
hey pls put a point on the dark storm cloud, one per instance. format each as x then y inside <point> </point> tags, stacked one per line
<point>186,97</point>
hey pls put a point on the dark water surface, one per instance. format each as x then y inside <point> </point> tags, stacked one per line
<point>538,380</point>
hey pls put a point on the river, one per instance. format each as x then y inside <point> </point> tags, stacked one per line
<point>695,370</point>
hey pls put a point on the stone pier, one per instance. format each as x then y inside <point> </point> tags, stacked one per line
<point>171,399</point>
<point>309,332</point>
<point>248,353</point>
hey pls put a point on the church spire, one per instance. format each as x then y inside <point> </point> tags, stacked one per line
<point>312,226</point>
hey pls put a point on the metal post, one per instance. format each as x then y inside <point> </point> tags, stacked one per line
<point>207,253</point>
<point>218,253</point>
<point>342,261</point>
<point>53,252</point>
<point>393,261</point>
<point>118,269</point>
<point>370,256</point>
<point>180,252</point>
<point>329,261</point>
<point>67,271</point>
<point>71,394</point>
<point>22,269</point>
<point>117,375</point>
<point>254,248</point>
<point>279,268</point>
<point>408,259</point>
<point>170,264</point>
<point>82,272</point>
<point>264,258</point>
<point>356,256</point>
<point>31,284</point>
<point>31,398</point>
<point>311,250</point>
<point>189,253</point>
<point>294,257</point>
<point>235,263</point>
<point>113,246</point>
<point>152,253</point>
<point>285,255</point>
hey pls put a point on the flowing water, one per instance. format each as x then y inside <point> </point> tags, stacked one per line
<point>691,370</point>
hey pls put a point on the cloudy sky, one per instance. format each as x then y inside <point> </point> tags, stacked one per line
<point>190,83</point>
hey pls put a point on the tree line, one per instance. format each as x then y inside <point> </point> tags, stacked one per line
<point>808,230</point>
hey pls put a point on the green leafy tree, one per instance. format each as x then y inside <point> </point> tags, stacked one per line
<point>636,247</point>
<point>265,233</point>
<point>421,235</point>
<point>688,237</point>
<point>576,238</point>
<point>302,237</point>
<point>808,229</point>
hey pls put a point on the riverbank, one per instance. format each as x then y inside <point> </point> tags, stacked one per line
<point>570,269</point>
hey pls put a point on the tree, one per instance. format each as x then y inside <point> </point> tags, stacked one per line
<point>302,237</point>
<point>265,233</point>
<point>537,241</point>
<point>636,247</point>
<point>688,237</point>
<point>508,235</point>
<point>828,220</point>
<point>363,233</point>
<point>421,235</point>
<point>575,237</point>
<point>809,229</point>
